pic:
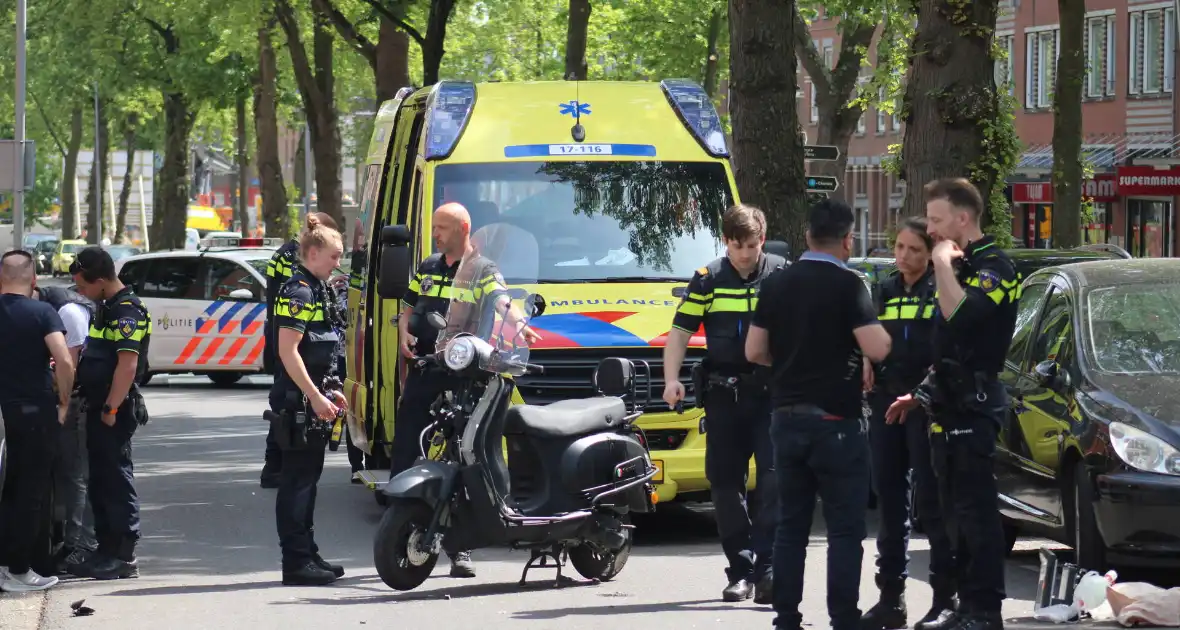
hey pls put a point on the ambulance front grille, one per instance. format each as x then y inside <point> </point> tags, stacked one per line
<point>569,373</point>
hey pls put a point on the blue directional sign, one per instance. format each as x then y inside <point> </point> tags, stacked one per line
<point>822,183</point>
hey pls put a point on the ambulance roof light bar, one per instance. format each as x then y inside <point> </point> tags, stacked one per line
<point>242,242</point>
<point>448,110</point>
<point>697,113</point>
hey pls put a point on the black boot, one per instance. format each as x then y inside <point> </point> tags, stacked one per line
<point>309,574</point>
<point>981,621</point>
<point>942,614</point>
<point>336,569</point>
<point>889,613</point>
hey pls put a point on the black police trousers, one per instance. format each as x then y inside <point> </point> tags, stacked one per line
<point>112,481</point>
<point>736,429</point>
<point>32,435</point>
<point>299,479</point>
<point>964,449</point>
<point>422,387</point>
<point>816,454</point>
<point>902,467</point>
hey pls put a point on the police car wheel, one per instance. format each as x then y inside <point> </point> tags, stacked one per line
<point>224,379</point>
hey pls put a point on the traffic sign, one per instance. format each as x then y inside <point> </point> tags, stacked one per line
<point>823,152</point>
<point>814,197</point>
<point>822,183</point>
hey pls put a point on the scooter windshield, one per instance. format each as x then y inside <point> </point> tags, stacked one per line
<point>488,295</point>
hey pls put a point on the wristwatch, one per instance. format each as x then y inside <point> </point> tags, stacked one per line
<point>108,410</point>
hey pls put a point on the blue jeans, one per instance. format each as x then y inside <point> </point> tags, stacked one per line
<point>71,479</point>
<point>816,454</point>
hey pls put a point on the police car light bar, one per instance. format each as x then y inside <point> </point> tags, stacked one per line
<point>448,111</point>
<point>697,113</point>
<point>230,241</point>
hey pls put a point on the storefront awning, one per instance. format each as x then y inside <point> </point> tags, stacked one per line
<point>1106,151</point>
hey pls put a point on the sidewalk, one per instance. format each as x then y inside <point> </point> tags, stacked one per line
<point>22,611</point>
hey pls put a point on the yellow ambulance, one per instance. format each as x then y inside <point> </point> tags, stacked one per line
<point>623,186</point>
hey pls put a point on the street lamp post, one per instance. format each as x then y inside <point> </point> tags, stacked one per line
<point>18,188</point>
<point>306,170</point>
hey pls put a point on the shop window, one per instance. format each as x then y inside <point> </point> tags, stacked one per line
<point>1148,228</point>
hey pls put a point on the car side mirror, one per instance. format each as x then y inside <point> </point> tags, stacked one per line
<point>436,320</point>
<point>535,305</point>
<point>1050,375</point>
<point>394,277</point>
<point>615,376</point>
<point>240,295</point>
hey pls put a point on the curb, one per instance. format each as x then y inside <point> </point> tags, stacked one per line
<point>22,611</point>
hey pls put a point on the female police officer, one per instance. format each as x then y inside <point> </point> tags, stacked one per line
<point>307,349</point>
<point>905,306</point>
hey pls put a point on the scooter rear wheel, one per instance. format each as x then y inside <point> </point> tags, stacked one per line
<point>401,566</point>
<point>594,564</point>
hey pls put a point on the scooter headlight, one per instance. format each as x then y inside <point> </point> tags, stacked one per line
<point>460,353</point>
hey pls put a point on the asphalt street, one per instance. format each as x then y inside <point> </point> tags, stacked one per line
<point>210,559</point>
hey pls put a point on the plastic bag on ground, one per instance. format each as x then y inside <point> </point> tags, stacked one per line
<point>1140,603</point>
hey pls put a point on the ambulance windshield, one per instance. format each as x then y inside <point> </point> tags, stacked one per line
<point>600,221</point>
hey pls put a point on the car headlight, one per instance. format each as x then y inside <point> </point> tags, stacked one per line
<point>460,353</point>
<point>1144,451</point>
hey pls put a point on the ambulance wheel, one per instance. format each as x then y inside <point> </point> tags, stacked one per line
<point>224,379</point>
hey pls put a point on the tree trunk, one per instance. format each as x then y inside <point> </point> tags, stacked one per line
<point>171,218</point>
<point>125,191</point>
<point>392,66</point>
<point>433,48</point>
<point>325,125</point>
<point>299,170</point>
<point>99,167</point>
<point>1067,126</point>
<point>768,148</point>
<point>242,190</point>
<point>69,198</point>
<point>712,56</point>
<point>575,40</point>
<point>951,99</point>
<point>266,129</point>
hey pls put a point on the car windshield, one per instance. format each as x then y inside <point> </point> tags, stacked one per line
<point>71,248</point>
<point>259,264</point>
<point>1135,328</point>
<point>600,221</point>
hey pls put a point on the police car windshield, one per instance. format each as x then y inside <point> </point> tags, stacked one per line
<point>259,264</point>
<point>600,221</point>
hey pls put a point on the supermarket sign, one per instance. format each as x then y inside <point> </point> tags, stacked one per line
<point>1149,181</point>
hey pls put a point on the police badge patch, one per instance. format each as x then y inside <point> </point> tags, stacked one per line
<point>988,280</point>
<point>127,326</point>
<point>295,306</point>
<point>427,284</point>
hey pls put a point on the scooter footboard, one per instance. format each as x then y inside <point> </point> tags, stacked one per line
<point>428,481</point>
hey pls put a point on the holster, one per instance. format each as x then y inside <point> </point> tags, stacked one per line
<point>138,406</point>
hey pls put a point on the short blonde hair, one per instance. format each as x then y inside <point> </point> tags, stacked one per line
<point>319,233</point>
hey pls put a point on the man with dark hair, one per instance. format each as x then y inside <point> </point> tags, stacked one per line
<point>31,333</point>
<point>112,362</point>
<point>735,395</point>
<point>978,290</point>
<point>814,324</point>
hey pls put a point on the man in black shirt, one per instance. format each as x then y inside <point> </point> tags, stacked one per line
<point>814,324</point>
<point>978,290</point>
<point>31,332</point>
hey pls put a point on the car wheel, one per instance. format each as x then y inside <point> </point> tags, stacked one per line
<point>1089,548</point>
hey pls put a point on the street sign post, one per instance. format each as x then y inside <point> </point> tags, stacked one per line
<point>824,152</point>
<point>9,153</point>
<point>822,183</point>
<point>813,197</point>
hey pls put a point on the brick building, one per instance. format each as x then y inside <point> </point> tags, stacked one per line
<point>1129,135</point>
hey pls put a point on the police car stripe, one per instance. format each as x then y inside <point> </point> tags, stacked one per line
<point>226,321</point>
<point>233,351</point>
<point>210,350</point>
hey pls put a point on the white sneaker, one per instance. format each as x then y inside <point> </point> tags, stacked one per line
<point>26,582</point>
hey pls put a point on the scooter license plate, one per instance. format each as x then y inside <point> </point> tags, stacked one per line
<point>659,464</point>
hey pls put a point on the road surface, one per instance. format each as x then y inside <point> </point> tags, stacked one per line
<point>210,558</point>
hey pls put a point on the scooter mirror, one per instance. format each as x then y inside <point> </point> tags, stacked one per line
<point>535,303</point>
<point>436,320</point>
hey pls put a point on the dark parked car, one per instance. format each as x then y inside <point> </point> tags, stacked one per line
<point>1090,452</point>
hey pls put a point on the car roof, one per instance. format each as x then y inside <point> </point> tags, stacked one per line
<point>234,253</point>
<point>1116,272</point>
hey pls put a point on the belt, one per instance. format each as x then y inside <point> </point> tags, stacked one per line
<point>809,409</point>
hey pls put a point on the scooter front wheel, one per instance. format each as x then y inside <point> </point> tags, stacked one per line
<point>395,549</point>
<point>597,564</point>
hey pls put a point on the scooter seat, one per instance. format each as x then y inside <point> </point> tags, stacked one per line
<point>566,418</point>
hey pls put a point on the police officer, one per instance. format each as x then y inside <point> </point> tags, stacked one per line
<point>814,323</point>
<point>722,295</point>
<point>905,306</point>
<point>278,271</point>
<point>978,289</point>
<point>112,362</point>
<point>306,345</point>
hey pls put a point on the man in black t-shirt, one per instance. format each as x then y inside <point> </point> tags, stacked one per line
<point>814,324</point>
<point>31,332</point>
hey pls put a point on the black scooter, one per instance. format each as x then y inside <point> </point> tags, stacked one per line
<point>575,472</point>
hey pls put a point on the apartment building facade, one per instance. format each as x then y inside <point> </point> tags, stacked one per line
<point>1129,126</point>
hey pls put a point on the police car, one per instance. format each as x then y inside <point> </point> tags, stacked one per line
<point>207,306</point>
